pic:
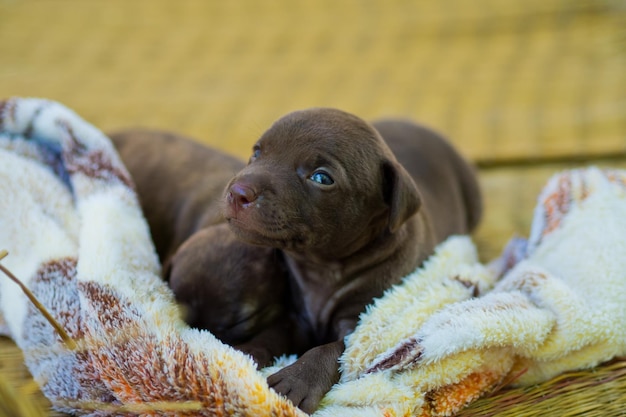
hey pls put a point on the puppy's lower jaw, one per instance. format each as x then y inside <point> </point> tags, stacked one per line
<point>245,232</point>
<point>250,232</point>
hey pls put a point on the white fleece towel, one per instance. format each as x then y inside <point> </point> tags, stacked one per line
<point>451,331</point>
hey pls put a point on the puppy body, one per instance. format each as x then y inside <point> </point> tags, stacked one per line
<point>179,182</point>
<point>235,290</point>
<point>324,187</point>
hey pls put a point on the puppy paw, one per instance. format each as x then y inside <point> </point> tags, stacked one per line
<point>308,379</point>
<point>306,395</point>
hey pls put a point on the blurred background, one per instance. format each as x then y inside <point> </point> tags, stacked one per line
<point>514,84</point>
<point>504,79</point>
<point>524,88</point>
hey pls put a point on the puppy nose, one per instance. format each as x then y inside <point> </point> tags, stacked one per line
<point>241,195</point>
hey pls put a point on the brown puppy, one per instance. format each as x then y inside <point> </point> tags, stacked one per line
<point>179,183</point>
<point>351,219</point>
<point>235,290</point>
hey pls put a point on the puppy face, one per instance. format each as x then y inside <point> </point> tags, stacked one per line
<point>319,181</point>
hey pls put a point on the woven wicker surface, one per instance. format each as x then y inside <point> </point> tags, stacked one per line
<point>524,88</point>
<point>504,79</point>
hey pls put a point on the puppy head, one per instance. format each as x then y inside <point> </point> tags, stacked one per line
<point>226,286</point>
<point>321,182</point>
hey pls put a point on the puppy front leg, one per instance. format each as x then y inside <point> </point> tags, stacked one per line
<point>307,380</point>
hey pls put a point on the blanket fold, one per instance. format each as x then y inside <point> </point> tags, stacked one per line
<point>450,332</point>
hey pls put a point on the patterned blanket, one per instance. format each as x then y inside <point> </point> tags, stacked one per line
<point>453,330</point>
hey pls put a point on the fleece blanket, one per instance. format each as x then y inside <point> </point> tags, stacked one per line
<point>451,331</point>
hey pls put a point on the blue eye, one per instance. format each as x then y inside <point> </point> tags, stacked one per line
<point>256,152</point>
<point>321,177</point>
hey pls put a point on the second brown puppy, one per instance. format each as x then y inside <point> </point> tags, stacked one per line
<point>236,290</point>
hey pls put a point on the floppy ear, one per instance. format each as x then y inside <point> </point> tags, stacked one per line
<point>400,193</point>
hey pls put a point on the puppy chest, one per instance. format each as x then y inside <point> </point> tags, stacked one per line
<point>316,293</point>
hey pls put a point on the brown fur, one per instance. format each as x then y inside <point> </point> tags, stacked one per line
<point>345,243</point>
<point>179,183</point>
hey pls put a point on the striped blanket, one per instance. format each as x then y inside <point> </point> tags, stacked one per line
<point>451,331</point>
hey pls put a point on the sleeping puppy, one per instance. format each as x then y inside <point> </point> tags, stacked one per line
<point>233,289</point>
<point>354,208</point>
